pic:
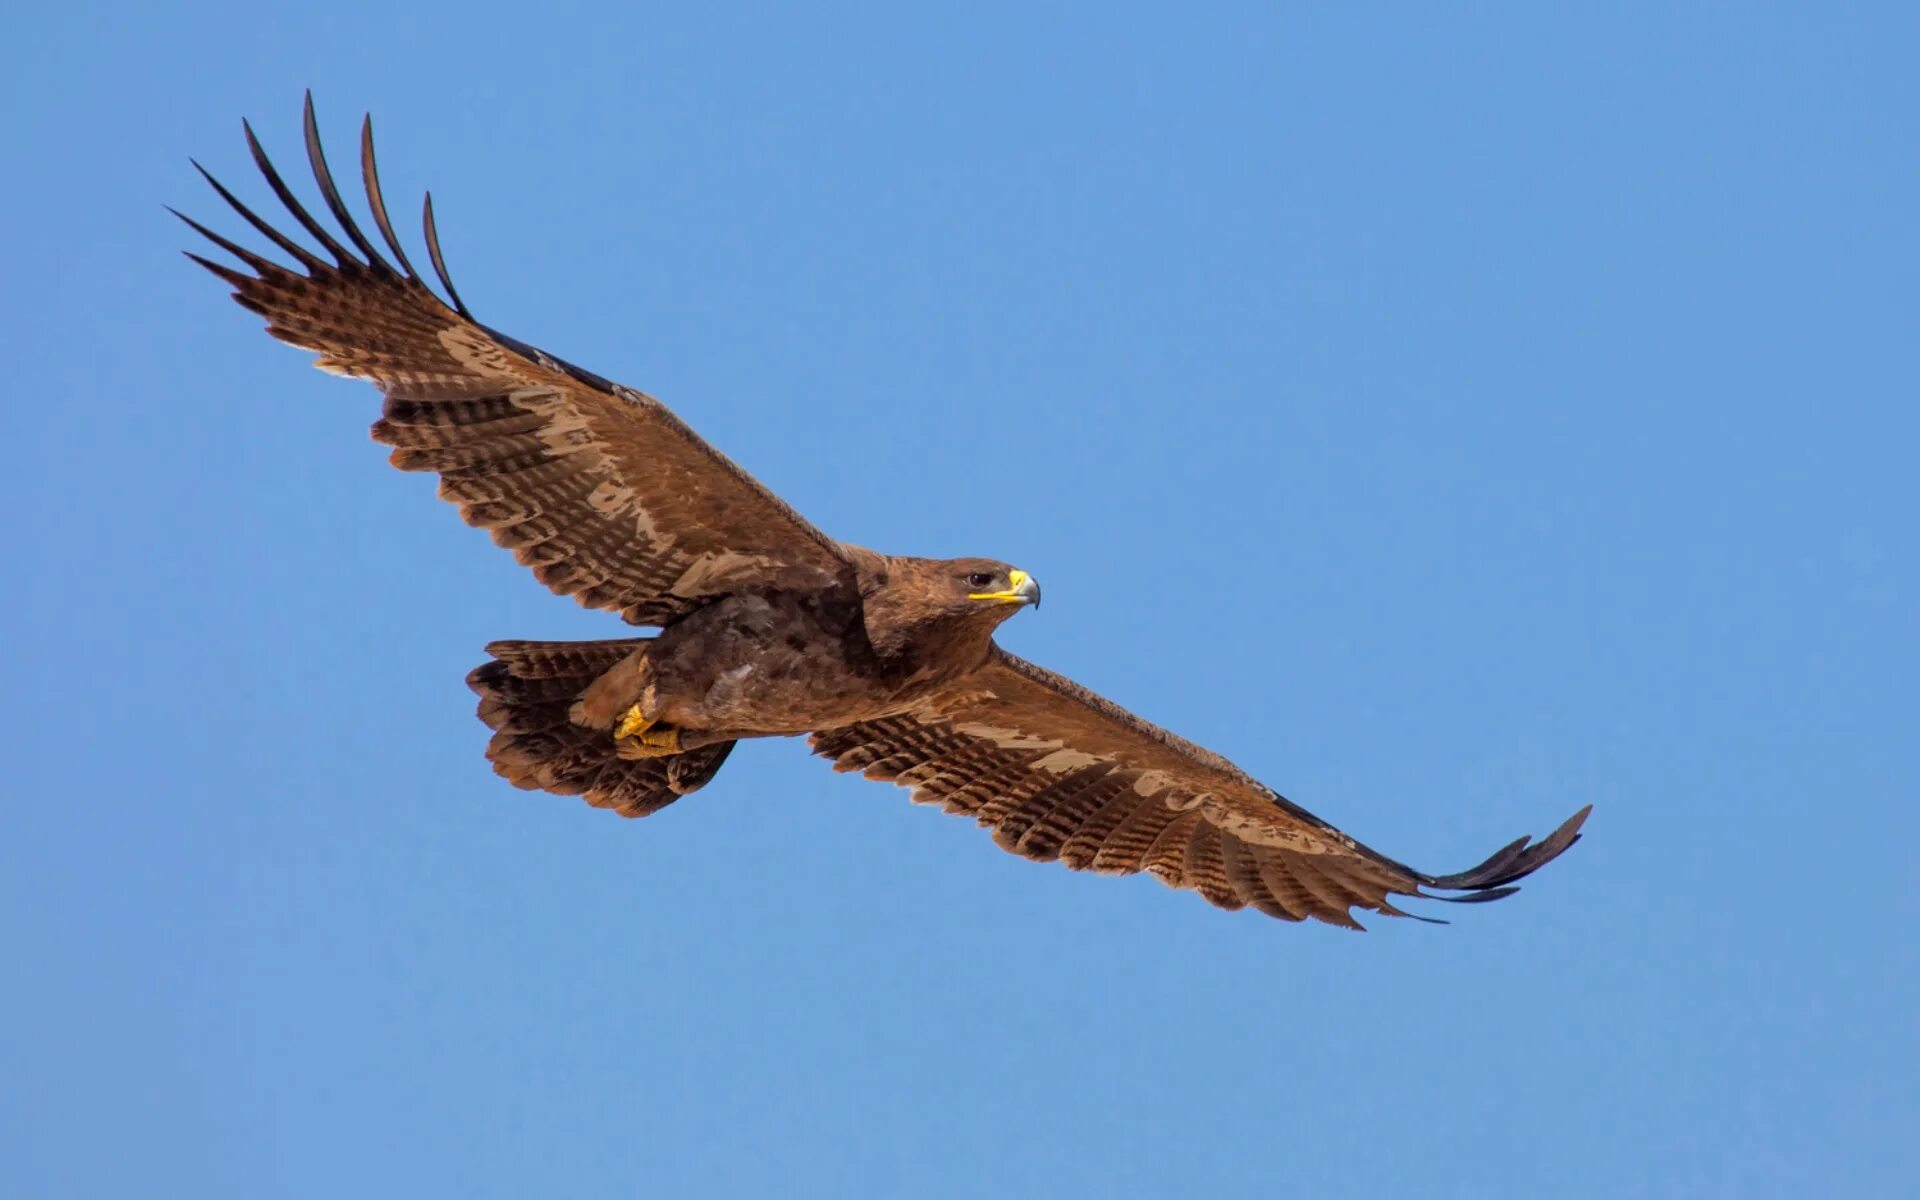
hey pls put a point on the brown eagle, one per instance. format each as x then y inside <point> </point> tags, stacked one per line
<point>767,626</point>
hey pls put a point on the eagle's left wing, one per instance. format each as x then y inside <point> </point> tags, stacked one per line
<point>1058,772</point>
<point>602,491</point>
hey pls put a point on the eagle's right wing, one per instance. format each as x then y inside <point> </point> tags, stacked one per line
<point>1059,773</point>
<point>601,490</point>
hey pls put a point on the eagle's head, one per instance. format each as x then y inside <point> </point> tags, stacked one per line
<point>991,587</point>
<point>942,604</point>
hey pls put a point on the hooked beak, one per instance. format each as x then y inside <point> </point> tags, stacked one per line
<point>1022,589</point>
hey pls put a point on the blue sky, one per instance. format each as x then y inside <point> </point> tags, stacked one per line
<point>1456,417</point>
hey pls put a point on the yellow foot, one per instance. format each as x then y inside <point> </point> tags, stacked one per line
<point>655,741</point>
<point>635,722</point>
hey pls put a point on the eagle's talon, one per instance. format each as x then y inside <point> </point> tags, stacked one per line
<point>652,741</point>
<point>633,724</point>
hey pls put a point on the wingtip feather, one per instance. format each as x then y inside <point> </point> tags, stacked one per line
<point>377,201</point>
<point>439,263</point>
<point>1492,879</point>
<point>342,256</point>
<point>329,192</point>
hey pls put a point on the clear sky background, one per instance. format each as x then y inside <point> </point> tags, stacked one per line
<point>1456,417</point>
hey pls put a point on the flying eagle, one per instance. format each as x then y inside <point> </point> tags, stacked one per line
<point>768,627</point>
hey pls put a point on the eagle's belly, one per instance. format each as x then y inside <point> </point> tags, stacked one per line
<point>784,663</point>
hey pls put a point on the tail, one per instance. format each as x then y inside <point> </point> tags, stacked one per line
<point>526,694</point>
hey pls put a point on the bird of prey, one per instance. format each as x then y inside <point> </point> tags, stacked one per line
<point>767,627</point>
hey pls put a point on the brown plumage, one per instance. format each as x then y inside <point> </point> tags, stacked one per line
<point>768,627</point>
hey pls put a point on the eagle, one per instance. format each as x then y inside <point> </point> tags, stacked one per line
<point>766,626</point>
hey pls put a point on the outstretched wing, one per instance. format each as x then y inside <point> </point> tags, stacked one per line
<point>602,491</point>
<point>1057,772</point>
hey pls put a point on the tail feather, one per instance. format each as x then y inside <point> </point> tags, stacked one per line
<point>562,660</point>
<point>527,697</point>
<point>502,717</point>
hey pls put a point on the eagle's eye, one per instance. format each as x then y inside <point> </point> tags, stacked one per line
<point>979,579</point>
